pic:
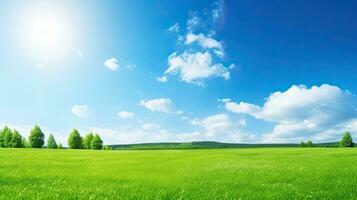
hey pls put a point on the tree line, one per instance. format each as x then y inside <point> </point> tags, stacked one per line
<point>346,141</point>
<point>13,139</point>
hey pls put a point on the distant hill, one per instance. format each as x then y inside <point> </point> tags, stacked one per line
<point>206,145</point>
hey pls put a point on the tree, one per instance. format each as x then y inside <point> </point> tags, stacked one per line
<point>302,144</point>
<point>75,140</point>
<point>309,144</point>
<point>25,144</point>
<point>106,147</point>
<point>16,140</point>
<point>7,137</point>
<point>346,140</point>
<point>36,138</point>
<point>87,142</point>
<point>97,142</point>
<point>2,137</point>
<point>60,146</point>
<point>51,142</point>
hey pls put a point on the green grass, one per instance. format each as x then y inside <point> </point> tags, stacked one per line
<point>254,173</point>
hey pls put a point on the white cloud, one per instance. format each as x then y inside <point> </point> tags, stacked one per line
<point>164,105</point>
<point>215,124</point>
<point>174,28</point>
<point>150,126</point>
<point>221,127</point>
<point>112,64</point>
<point>126,115</point>
<point>83,111</point>
<point>205,42</point>
<point>162,79</point>
<point>302,112</point>
<point>192,22</point>
<point>195,67</point>
<point>217,11</point>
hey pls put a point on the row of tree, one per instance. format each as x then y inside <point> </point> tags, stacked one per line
<point>13,139</point>
<point>346,141</point>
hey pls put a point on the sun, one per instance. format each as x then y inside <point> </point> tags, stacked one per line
<point>45,33</point>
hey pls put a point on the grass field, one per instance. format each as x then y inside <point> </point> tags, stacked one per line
<point>255,173</point>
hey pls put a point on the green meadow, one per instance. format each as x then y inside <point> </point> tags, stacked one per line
<point>249,173</point>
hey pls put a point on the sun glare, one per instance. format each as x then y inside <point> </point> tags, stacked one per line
<point>45,34</point>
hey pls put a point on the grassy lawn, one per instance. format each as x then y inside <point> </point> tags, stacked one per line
<point>254,173</point>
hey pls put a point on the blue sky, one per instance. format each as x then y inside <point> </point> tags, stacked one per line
<point>151,71</point>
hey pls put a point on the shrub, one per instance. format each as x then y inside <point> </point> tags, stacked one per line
<point>36,138</point>
<point>346,140</point>
<point>87,142</point>
<point>97,142</point>
<point>60,146</point>
<point>75,140</point>
<point>51,142</point>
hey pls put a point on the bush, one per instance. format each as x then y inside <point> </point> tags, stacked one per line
<point>60,146</point>
<point>36,138</point>
<point>87,142</point>
<point>75,140</point>
<point>51,142</point>
<point>346,140</point>
<point>97,142</point>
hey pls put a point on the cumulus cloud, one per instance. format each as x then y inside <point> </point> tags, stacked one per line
<point>302,112</point>
<point>83,111</point>
<point>195,67</point>
<point>222,128</point>
<point>200,56</point>
<point>164,105</point>
<point>112,64</point>
<point>126,115</point>
<point>174,28</point>
<point>205,42</point>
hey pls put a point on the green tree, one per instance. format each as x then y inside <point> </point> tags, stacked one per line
<point>60,146</point>
<point>106,147</point>
<point>25,144</point>
<point>87,142</point>
<point>16,140</point>
<point>346,140</point>
<point>309,144</point>
<point>51,142</point>
<point>97,142</point>
<point>36,138</point>
<point>2,137</point>
<point>302,144</point>
<point>75,140</point>
<point>7,137</point>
